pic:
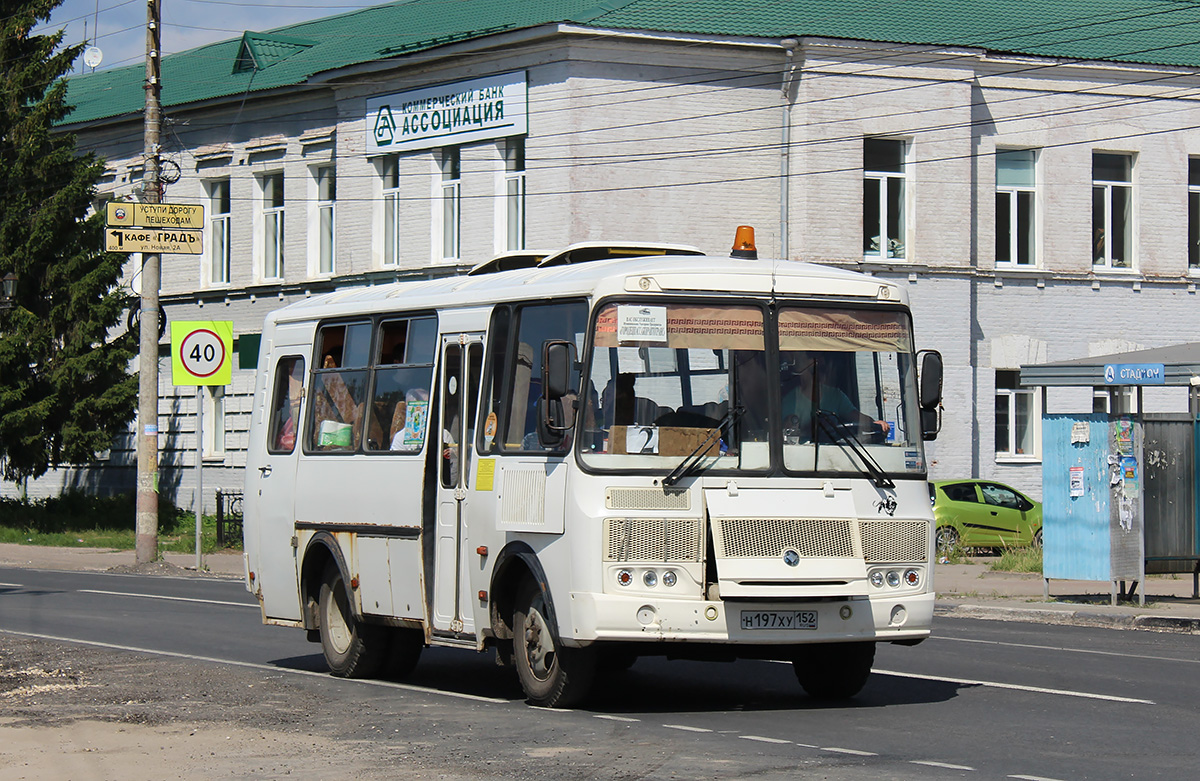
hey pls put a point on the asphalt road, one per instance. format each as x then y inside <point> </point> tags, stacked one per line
<point>980,699</point>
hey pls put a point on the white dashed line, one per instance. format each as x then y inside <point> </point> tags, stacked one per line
<point>162,596</point>
<point>761,739</point>
<point>614,718</point>
<point>1017,687</point>
<point>853,751</point>
<point>686,728</point>
<point>946,765</point>
<point>1036,778</point>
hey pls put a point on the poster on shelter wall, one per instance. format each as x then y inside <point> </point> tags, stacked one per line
<point>1076,480</point>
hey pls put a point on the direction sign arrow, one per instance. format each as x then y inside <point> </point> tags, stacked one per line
<point>175,242</point>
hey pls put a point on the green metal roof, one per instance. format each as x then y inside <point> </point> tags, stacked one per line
<point>1159,32</point>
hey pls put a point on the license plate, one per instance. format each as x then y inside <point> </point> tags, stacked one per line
<point>779,619</point>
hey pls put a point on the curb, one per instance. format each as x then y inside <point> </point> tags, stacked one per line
<point>1156,623</point>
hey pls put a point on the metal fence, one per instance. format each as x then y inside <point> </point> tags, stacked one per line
<point>229,517</point>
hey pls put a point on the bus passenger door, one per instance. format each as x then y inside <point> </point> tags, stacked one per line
<point>461,365</point>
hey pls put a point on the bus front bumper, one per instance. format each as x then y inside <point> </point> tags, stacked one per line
<point>603,617</point>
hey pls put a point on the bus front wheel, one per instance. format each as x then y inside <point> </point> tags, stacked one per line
<point>352,648</point>
<point>551,675</point>
<point>834,671</point>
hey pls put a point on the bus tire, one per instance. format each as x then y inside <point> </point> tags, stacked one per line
<point>404,650</point>
<point>352,648</point>
<point>834,671</point>
<point>551,676</point>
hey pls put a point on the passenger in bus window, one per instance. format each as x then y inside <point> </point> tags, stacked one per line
<point>802,392</point>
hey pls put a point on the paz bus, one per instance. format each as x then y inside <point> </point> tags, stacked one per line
<point>595,455</point>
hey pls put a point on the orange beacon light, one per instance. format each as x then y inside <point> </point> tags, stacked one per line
<point>743,244</point>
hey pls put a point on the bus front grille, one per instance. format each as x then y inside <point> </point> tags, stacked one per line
<point>873,541</point>
<point>894,541</point>
<point>652,539</point>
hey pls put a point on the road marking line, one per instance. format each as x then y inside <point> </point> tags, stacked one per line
<point>945,765</point>
<point>855,752</point>
<point>1017,687</point>
<point>614,718</point>
<point>1094,652</point>
<point>761,739</point>
<point>163,596</point>
<point>1036,778</point>
<point>686,728</point>
<point>256,666</point>
<point>11,585</point>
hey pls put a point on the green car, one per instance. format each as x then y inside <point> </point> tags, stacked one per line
<point>984,514</point>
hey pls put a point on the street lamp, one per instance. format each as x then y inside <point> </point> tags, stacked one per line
<point>8,286</point>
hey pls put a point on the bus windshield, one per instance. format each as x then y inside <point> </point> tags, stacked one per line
<point>828,391</point>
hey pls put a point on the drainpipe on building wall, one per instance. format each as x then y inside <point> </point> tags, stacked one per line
<point>789,68</point>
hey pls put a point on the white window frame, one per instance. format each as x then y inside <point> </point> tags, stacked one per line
<point>449,161</point>
<point>216,271</point>
<point>390,239</point>
<point>1012,194</point>
<point>1008,451</point>
<point>322,246</point>
<point>1193,215</point>
<point>1106,188</point>
<point>513,193</point>
<point>885,179</point>
<point>270,220</point>
<point>213,436</point>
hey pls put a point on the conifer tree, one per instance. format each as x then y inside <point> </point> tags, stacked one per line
<point>65,384</point>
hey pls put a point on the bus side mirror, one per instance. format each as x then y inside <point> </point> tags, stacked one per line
<point>556,369</point>
<point>930,393</point>
<point>554,419</point>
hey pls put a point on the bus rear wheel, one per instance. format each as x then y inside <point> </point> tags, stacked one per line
<point>551,675</point>
<point>834,671</point>
<point>352,648</point>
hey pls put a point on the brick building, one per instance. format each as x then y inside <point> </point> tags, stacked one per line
<point>1032,174</point>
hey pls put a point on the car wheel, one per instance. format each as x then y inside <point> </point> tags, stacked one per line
<point>551,676</point>
<point>1037,539</point>
<point>352,648</point>
<point>833,671</point>
<point>947,539</point>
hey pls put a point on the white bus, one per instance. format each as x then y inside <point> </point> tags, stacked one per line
<point>579,463</point>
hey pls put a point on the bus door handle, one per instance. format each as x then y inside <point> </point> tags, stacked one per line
<point>265,470</point>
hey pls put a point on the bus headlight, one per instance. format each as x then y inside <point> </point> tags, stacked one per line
<point>650,578</point>
<point>893,578</point>
<point>669,578</point>
<point>877,579</point>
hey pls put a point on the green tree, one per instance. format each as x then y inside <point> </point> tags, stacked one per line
<point>65,384</point>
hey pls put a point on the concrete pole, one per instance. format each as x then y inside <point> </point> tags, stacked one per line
<point>146,540</point>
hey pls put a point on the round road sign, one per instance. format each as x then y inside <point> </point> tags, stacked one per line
<point>202,352</point>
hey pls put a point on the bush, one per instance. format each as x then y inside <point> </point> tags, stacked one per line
<point>74,510</point>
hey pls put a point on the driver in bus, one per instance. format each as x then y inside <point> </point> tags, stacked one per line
<point>801,390</point>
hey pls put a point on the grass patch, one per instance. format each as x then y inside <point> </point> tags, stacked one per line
<point>1018,560</point>
<point>76,519</point>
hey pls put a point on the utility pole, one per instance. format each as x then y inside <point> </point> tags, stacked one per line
<point>146,540</point>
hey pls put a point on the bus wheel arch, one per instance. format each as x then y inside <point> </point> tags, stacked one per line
<point>321,549</point>
<point>516,564</point>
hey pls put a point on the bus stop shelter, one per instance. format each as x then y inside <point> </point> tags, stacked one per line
<point>1119,488</point>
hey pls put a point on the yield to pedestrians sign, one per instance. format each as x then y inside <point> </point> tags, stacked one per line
<point>202,352</point>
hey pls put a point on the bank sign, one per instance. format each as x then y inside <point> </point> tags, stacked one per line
<point>448,114</point>
<point>1134,374</point>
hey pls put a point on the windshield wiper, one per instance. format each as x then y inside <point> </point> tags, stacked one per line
<point>685,466</point>
<point>833,427</point>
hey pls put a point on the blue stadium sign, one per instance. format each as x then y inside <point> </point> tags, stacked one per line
<point>1134,374</point>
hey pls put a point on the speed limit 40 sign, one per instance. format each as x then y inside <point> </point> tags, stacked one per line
<point>202,352</point>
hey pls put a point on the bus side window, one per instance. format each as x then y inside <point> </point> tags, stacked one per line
<point>516,370</point>
<point>285,405</point>
<point>399,406</point>
<point>339,387</point>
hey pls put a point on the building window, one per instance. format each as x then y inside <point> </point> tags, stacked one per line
<point>218,245</point>
<point>390,174</point>
<point>1112,210</point>
<point>1015,217</point>
<point>213,423</point>
<point>326,182</point>
<point>451,162</point>
<point>1194,214</point>
<point>883,198</point>
<point>272,212</point>
<point>1017,417</point>
<point>514,192</point>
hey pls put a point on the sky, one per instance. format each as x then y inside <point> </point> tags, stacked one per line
<point>186,23</point>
